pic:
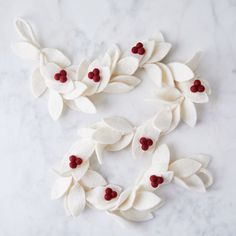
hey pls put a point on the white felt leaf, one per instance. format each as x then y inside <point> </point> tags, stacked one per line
<point>180,182</point>
<point>85,105</point>
<point>162,120</point>
<point>154,73</point>
<point>194,61</point>
<point>26,51</point>
<point>126,79</point>
<point>114,53</point>
<point>126,66</point>
<point>188,113</point>
<point>38,85</point>
<point>128,204</point>
<point>106,135</point>
<point>92,179</point>
<point>122,198</point>
<point>80,170</point>
<point>56,56</point>
<point>82,70</point>
<point>105,78</point>
<point>195,183</point>
<point>180,71</point>
<point>60,187</point>
<point>118,87</point>
<point>76,200</point>
<point>149,47</point>
<point>116,216</point>
<point>76,92</point>
<point>25,31</point>
<point>203,159</point>
<point>161,49</point>
<point>167,77</point>
<point>161,158</point>
<point>99,148</point>
<point>121,144</point>
<point>185,167</point>
<point>206,177</point>
<point>55,104</point>
<point>119,124</point>
<point>175,119</point>
<point>159,37</point>
<point>137,216</point>
<point>146,201</point>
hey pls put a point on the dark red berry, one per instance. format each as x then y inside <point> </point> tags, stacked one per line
<point>63,78</point>
<point>144,147</point>
<point>96,78</point>
<point>96,71</point>
<point>73,165</point>
<point>63,72</point>
<point>201,88</point>
<point>90,75</point>
<point>143,140</point>
<point>108,191</point>
<point>78,161</point>
<point>149,142</point>
<point>160,180</point>
<point>139,45</point>
<point>141,51</point>
<point>154,184</point>
<point>107,197</point>
<point>134,50</point>
<point>197,82</point>
<point>114,194</point>
<point>153,178</point>
<point>194,89</point>
<point>57,76</point>
<point>72,158</point>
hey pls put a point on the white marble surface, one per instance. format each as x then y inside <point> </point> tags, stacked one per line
<point>31,142</point>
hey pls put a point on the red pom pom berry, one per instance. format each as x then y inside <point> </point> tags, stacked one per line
<point>78,161</point>
<point>139,45</point>
<point>72,158</point>
<point>160,180</point>
<point>154,184</point>
<point>197,82</point>
<point>96,71</point>
<point>201,88</point>
<point>108,191</point>
<point>107,197</point>
<point>57,76</point>
<point>144,147</point>
<point>96,78</point>
<point>149,142</point>
<point>73,165</point>
<point>153,178</point>
<point>63,72</point>
<point>194,89</point>
<point>90,75</point>
<point>141,51</point>
<point>114,194</point>
<point>63,78</point>
<point>143,140</point>
<point>134,50</point>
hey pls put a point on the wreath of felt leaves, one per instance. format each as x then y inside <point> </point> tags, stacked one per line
<point>178,86</point>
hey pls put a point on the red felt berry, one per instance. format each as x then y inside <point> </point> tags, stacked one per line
<point>96,78</point>
<point>72,158</point>
<point>154,184</point>
<point>149,142</point>
<point>63,72</point>
<point>139,45</point>
<point>73,165</point>
<point>63,78</point>
<point>144,147</point>
<point>134,50</point>
<point>114,194</point>
<point>141,51</point>
<point>78,161</point>
<point>197,82</point>
<point>153,178</point>
<point>57,76</point>
<point>96,71</point>
<point>90,75</point>
<point>160,180</point>
<point>107,197</point>
<point>108,191</point>
<point>143,140</point>
<point>194,89</point>
<point>201,88</point>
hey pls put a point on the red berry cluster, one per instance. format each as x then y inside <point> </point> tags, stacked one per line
<point>75,161</point>
<point>197,87</point>
<point>94,75</point>
<point>61,76</point>
<point>138,49</point>
<point>145,143</point>
<point>109,194</point>
<point>156,180</point>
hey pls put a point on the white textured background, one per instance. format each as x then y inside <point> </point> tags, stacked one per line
<point>30,142</point>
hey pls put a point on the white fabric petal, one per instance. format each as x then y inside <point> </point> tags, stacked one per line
<point>126,79</point>
<point>203,159</point>
<point>128,204</point>
<point>124,141</point>
<point>115,215</point>
<point>167,77</point>
<point>26,51</point>
<point>119,124</point>
<point>149,47</point>
<point>194,61</point>
<point>206,177</point>
<point>114,53</point>
<point>154,73</point>
<point>184,168</point>
<point>99,148</point>
<point>117,87</point>
<point>106,135</point>
<point>105,78</point>
<point>92,179</point>
<point>159,37</point>
<point>136,216</point>
<point>188,113</point>
<point>146,201</point>
<point>56,56</point>
<point>76,200</point>
<point>195,183</point>
<point>55,105</point>
<point>180,71</point>
<point>175,119</point>
<point>80,170</point>
<point>38,85</point>
<point>60,187</point>
<point>161,49</point>
<point>180,182</point>
<point>85,105</point>
<point>82,70</point>
<point>162,120</point>
<point>122,198</point>
<point>161,158</point>
<point>76,92</point>
<point>126,66</point>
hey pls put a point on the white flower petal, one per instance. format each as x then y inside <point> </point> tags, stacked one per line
<point>92,179</point>
<point>82,70</point>
<point>60,187</point>
<point>122,198</point>
<point>180,182</point>
<point>114,53</point>
<point>80,170</point>
<point>76,200</point>
<point>195,183</point>
<point>206,177</point>
<point>161,158</point>
<point>175,119</point>
<point>128,204</point>
<point>85,105</point>
<point>105,78</point>
<point>56,56</point>
<point>188,113</point>
<point>203,159</point>
<point>76,92</point>
<point>126,79</point>
<point>161,49</point>
<point>168,95</point>
<point>167,77</point>
<point>136,216</point>
<point>194,61</point>
<point>26,51</point>
<point>180,71</point>
<point>38,85</point>
<point>106,135</point>
<point>149,47</point>
<point>162,120</point>
<point>119,124</point>
<point>184,168</point>
<point>126,66</point>
<point>146,201</point>
<point>154,73</point>
<point>55,104</point>
<point>118,218</point>
<point>99,148</point>
<point>117,87</point>
<point>159,37</point>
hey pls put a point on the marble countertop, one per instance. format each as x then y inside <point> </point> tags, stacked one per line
<point>31,142</point>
